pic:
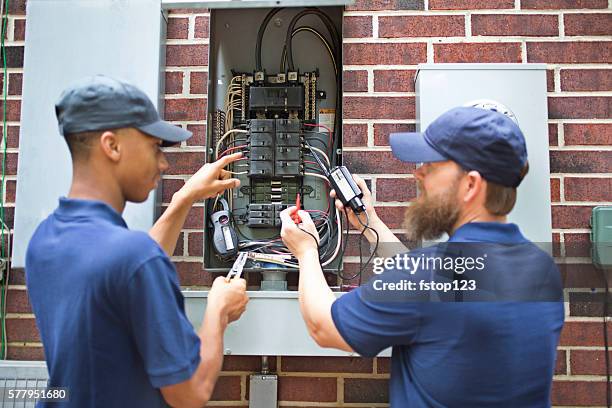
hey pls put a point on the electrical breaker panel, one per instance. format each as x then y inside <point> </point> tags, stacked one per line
<point>274,120</point>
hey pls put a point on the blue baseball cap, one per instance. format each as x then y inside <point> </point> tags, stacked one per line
<point>103,103</point>
<point>476,139</point>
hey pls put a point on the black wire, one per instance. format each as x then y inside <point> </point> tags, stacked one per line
<point>313,237</point>
<point>260,34</point>
<point>366,226</point>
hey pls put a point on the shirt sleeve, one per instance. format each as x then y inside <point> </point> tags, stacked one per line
<point>166,340</point>
<point>370,320</point>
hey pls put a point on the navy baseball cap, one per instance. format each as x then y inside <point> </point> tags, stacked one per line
<point>475,138</point>
<point>103,103</point>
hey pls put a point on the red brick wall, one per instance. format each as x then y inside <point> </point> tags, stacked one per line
<point>384,41</point>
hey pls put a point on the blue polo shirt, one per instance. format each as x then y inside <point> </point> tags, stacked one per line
<point>450,350</point>
<point>108,307</point>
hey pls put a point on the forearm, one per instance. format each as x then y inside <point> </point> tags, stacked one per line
<point>315,296</point>
<point>388,244</point>
<point>168,227</point>
<point>211,351</point>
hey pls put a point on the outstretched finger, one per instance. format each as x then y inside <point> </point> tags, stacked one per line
<point>226,160</point>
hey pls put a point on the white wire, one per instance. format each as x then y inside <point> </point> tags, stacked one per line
<point>318,176</point>
<point>321,152</point>
<point>339,244</point>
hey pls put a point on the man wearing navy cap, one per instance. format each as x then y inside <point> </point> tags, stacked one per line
<point>107,300</point>
<point>490,345</point>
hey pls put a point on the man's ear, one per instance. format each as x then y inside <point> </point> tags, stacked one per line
<point>475,185</point>
<point>109,143</point>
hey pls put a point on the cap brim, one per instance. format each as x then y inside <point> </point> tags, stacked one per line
<point>413,148</point>
<point>167,132</point>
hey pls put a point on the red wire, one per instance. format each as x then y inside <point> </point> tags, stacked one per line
<point>229,150</point>
<point>329,131</point>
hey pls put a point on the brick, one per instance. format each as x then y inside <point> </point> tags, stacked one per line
<point>588,362</point>
<point>10,191</point>
<point>22,330</point>
<point>13,110</point>
<point>550,80</point>
<point>174,82</point>
<point>588,189</point>
<point>561,363</point>
<point>169,187</point>
<point>588,134</point>
<point>596,107</point>
<point>185,109</point>
<point>563,4</point>
<point>178,28</point>
<point>582,276</point>
<point>394,80</point>
<point>354,135</point>
<point>195,244</point>
<point>182,163</point>
<point>202,27</point>
<point>385,54</point>
<point>553,134</point>
<point>310,389</point>
<point>470,4</point>
<point>246,363</point>
<point>583,393</point>
<point>577,244</point>
<point>369,107</point>
<point>357,26</point>
<point>227,389</point>
<point>587,334</point>
<point>17,7</point>
<point>570,52</point>
<point>17,302</point>
<point>383,130</point>
<point>14,56</point>
<point>477,52</point>
<point>12,135</point>
<point>20,30</point>
<point>199,135</point>
<point>366,390</point>
<point>17,276</point>
<point>570,216</point>
<point>11,163</point>
<point>186,55</point>
<point>198,83</point>
<point>421,26</point>
<point>327,364</point>
<point>587,304</point>
<point>383,365</point>
<point>588,24</point>
<point>555,190</point>
<point>515,25</point>
<point>26,353</point>
<point>387,5</point>
<point>586,79</point>
<point>192,274</point>
<point>15,83</point>
<point>375,162</point>
<point>580,162</point>
<point>396,189</point>
<point>355,81</point>
<point>392,216</point>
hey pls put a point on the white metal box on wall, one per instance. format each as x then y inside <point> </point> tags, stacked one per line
<point>107,43</point>
<point>521,88</point>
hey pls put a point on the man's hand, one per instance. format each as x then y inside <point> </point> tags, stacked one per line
<point>367,200</point>
<point>294,237</point>
<point>228,298</point>
<point>211,179</point>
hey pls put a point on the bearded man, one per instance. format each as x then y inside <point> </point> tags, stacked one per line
<point>485,333</point>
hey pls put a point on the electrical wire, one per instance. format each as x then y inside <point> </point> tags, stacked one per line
<point>229,132</point>
<point>323,40</point>
<point>260,34</point>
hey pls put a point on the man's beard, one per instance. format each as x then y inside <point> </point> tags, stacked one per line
<point>428,217</point>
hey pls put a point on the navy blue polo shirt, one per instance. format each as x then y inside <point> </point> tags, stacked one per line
<point>465,353</point>
<point>108,307</point>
